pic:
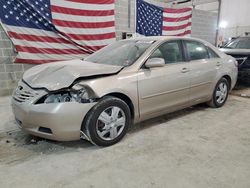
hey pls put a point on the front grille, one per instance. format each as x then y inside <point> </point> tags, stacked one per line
<point>24,93</point>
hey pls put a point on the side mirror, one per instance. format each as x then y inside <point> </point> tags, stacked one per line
<point>155,62</point>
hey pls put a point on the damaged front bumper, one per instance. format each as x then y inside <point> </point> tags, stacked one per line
<point>56,121</point>
<point>60,121</point>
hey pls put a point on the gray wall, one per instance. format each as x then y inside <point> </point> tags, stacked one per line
<point>203,26</point>
<point>9,73</point>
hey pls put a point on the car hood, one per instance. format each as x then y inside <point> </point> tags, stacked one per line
<point>235,51</point>
<point>60,75</point>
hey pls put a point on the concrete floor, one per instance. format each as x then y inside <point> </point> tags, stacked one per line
<point>195,147</point>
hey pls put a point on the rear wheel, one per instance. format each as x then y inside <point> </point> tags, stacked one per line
<point>108,122</point>
<point>220,94</point>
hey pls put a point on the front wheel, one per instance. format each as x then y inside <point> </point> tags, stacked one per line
<point>220,94</point>
<point>108,121</point>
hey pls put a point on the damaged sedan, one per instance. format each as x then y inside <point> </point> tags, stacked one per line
<point>129,81</point>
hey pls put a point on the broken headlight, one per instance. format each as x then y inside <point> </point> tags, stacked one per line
<point>77,93</point>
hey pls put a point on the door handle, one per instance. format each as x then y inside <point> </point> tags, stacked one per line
<point>218,64</point>
<point>184,70</point>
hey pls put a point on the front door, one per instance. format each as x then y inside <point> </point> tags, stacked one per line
<point>164,89</point>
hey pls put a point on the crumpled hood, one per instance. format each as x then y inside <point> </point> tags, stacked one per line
<point>235,51</point>
<point>59,75</point>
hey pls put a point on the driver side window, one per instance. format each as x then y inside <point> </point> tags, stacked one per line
<point>169,51</point>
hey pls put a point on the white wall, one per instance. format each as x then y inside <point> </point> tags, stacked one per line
<point>235,12</point>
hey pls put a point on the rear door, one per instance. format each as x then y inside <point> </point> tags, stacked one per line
<point>203,70</point>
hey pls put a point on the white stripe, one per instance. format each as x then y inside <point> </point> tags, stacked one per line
<point>176,23</point>
<point>91,31</point>
<point>43,44</point>
<point>76,18</point>
<point>176,32</point>
<point>30,31</point>
<point>37,56</point>
<point>175,15</point>
<point>83,6</point>
<point>103,42</point>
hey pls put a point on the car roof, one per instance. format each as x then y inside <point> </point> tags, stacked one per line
<point>156,38</point>
<point>162,38</point>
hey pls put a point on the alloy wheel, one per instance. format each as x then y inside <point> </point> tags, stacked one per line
<point>221,92</point>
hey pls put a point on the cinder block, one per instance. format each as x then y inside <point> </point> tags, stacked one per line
<point>6,60</point>
<point>4,36</point>
<point>12,84</point>
<point>5,44</point>
<point>19,75</point>
<point>2,68</point>
<point>3,84</point>
<point>4,92</point>
<point>8,52</point>
<point>14,67</point>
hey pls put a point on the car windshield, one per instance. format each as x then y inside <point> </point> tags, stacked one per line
<point>121,53</point>
<point>240,43</point>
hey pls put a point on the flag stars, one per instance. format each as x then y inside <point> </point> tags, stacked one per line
<point>4,6</point>
<point>11,12</point>
<point>6,16</point>
<point>17,18</point>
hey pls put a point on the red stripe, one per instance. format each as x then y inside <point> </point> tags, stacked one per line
<point>90,37</point>
<point>93,2</point>
<point>168,19</point>
<point>36,38</point>
<point>177,11</point>
<point>48,50</point>
<point>34,61</point>
<point>81,12</point>
<point>83,24</point>
<point>174,28</point>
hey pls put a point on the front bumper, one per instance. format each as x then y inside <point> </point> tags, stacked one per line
<point>55,121</point>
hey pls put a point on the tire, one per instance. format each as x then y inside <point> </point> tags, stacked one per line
<point>215,102</point>
<point>96,124</point>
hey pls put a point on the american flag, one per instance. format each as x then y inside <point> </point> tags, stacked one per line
<point>152,20</point>
<point>54,30</point>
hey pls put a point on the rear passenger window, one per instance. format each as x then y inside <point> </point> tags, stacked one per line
<point>212,53</point>
<point>170,51</point>
<point>196,50</point>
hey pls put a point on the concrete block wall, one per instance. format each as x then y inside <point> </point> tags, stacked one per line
<point>9,73</point>
<point>203,26</point>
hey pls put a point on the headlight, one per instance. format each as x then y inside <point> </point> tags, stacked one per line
<point>77,93</point>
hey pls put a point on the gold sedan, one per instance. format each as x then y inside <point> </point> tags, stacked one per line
<point>129,81</point>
